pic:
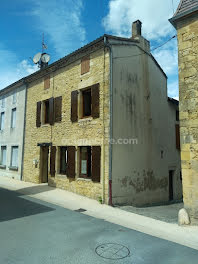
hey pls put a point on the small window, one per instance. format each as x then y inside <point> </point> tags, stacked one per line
<point>46,111</point>
<point>3,155</point>
<point>63,160</point>
<point>85,162</point>
<point>13,118</point>
<point>14,157</point>
<point>3,102</point>
<point>46,82</point>
<point>177,115</point>
<point>86,103</point>
<point>85,65</point>
<point>14,97</point>
<point>2,119</point>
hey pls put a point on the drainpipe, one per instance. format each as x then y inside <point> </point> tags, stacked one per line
<point>111,119</point>
<point>24,124</point>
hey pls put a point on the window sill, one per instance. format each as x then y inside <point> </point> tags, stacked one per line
<point>45,125</point>
<point>3,167</point>
<point>85,119</point>
<point>61,176</point>
<point>13,168</point>
<point>84,179</point>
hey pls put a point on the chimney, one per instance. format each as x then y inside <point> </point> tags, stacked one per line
<point>136,28</point>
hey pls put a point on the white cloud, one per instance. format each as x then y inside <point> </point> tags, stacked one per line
<point>154,15</point>
<point>61,21</point>
<point>12,69</point>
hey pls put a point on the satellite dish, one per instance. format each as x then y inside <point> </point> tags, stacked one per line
<point>36,58</point>
<point>45,58</point>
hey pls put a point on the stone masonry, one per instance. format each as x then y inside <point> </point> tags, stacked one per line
<point>64,80</point>
<point>187,30</point>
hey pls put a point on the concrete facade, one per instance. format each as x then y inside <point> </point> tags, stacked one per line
<point>143,113</point>
<point>186,24</point>
<point>13,97</point>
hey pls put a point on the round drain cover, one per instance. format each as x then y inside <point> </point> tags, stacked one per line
<point>112,251</point>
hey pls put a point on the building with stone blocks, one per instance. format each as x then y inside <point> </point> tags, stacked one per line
<point>12,118</point>
<point>185,21</point>
<point>99,123</point>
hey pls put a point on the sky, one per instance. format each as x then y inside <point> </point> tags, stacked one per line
<point>70,24</point>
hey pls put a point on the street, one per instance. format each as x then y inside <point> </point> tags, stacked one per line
<point>36,232</point>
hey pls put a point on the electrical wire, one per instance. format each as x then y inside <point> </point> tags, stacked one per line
<point>164,43</point>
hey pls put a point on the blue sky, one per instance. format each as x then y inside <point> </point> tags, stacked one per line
<point>70,24</point>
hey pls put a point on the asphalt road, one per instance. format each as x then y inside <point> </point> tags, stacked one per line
<point>35,232</point>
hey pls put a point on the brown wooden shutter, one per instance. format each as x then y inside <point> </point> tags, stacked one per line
<point>51,111</point>
<point>95,97</point>
<point>53,161</point>
<point>96,157</point>
<point>38,114</point>
<point>58,108</point>
<point>46,82</point>
<point>177,135</point>
<point>71,161</point>
<point>74,106</point>
<point>85,65</point>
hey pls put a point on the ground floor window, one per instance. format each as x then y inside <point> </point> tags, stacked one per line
<point>3,155</point>
<point>14,156</point>
<point>85,162</point>
<point>90,157</point>
<point>63,160</point>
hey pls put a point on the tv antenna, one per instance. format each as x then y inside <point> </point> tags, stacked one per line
<point>42,59</point>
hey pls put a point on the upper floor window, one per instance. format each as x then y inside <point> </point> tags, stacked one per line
<point>3,155</point>
<point>2,120</point>
<point>85,64</point>
<point>3,102</point>
<point>46,82</point>
<point>13,118</point>
<point>14,98</point>
<point>87,105</point>
<point>49,111</point>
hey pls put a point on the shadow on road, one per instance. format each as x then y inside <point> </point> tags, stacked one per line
<point>12,206</point>
<point>35,189</point>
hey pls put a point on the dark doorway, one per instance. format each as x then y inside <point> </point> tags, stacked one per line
<point>171,196</point>
<point>44,151</point>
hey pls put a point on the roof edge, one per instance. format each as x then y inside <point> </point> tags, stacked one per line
<point>174,19</point>
<point>12,86</point>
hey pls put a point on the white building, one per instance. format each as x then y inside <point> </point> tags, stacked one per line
<point>12,119</point>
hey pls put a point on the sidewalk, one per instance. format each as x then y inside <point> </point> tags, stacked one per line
<point>187,236</point>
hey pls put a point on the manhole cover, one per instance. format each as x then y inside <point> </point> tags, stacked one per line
<point>112,251</point>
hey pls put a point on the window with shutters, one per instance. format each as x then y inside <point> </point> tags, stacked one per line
<point>86,103</point>
<point>85,162</point>
<point>46,82</point>
<point>46,113</point>
<point>90,162</point>
<point>85,65</point>
<point>63,160</point>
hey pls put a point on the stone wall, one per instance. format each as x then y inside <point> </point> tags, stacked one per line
<point>95,131</point>
<point>188,81</point>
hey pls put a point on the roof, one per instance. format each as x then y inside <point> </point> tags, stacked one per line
<point>69,59</point>
<point>174,101</point>
<point>185,8</point>
<point>12,86</point>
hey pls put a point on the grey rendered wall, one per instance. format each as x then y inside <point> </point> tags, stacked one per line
<point>13,136</point>
<point>140,110</point>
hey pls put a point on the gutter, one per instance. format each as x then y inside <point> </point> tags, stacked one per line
<point>111,120</point>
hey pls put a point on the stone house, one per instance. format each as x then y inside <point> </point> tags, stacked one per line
<point>12,119</point>
<point>99,123</point>
<point>185,21</point>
